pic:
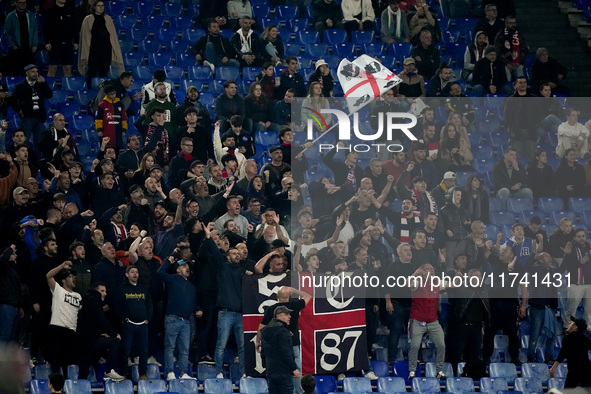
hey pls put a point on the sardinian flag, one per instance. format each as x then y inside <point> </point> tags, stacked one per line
<point>363,80</point>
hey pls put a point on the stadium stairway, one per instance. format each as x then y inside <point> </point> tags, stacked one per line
<point>543,25</point>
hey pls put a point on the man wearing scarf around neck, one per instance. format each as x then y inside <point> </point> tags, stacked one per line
<point>394,24</point>
<point>512,48</point>
<point>181,164</point>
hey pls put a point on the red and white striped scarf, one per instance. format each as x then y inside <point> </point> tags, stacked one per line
<point>404,229</point>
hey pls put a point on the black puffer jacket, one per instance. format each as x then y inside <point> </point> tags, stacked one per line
<point>10,288</point>
<point>91,319</point>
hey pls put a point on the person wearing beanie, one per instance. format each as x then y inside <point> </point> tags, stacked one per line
<point>489,75</point>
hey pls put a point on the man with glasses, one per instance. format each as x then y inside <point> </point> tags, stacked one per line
<point>491,25</point>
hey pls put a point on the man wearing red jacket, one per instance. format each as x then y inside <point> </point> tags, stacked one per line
<point>111,118</point>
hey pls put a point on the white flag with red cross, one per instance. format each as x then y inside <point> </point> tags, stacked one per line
<point>363,80</point>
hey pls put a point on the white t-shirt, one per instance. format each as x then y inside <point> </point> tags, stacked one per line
<point>64,308</point>
<point>318,246</point>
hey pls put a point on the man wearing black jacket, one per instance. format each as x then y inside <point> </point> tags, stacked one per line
<point>96,335</point>
<point>344,173</point>
<point>213,49</point>
<point>134,308</point>
<point>575,347</point>
<point>278,352</point>
<point>10,295</point>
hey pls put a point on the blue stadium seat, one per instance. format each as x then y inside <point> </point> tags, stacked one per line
<point>126,45</point>
<point>216,87</point>
<point>400,49</point>
<point>266,138</point>
<point>42,59</point>
<point>185,83</point>
<point>12,81</point>
<point>345,50</point>
<point>556,383</point>
<point>42,371</point>
<point>250,73</point>
<point>357,385</point>
<point>550,204</point>
<point>286,11</point>
<point>307,37</point>
<point>217,386</point>
<point>81,386</point>
<point>193,35</point>
<point>181,22</point>
<point>186,386</point>
<point>72,84</point>
<point>261,11</point>
<point>143,8</point>
<point>171,9</point>
<point>113,8</point>
<point>525,216</point>
<point>482,151</point>
<point>459,385</point>
<point>159,59</point>
<point>225,73</point>
<point>557,216</point>
<point>39,386</point>
<point>380,368</point>
<point>493,385</point>
<point>519,204</point>
<point>325,384</point>
<point>484,165</point>
<point>205,371</point>
<point>125,22</point>
<point>295,25</point>
<point>68,109</point>
<point>150,46</point>
<point>360,37</point>
<point>252,385</point>
<point>123,387</point>
<point>153,22</point>
<point>150,386</point>
<point>153,372</point>
<point>498,138</point>
<point>200,72</point>
<point>390,385</point>
<point>460,369</point>
<point>173,72</point>
<point>579,204</point>
<point>448,37</point>
<point>165,34</point>
<point>131,59</point>
<point>185,60</point>
<point>400,367</point>
<point>142,72</point>
<point>535,370</point>
<point>425,385</point>
<point>335,36</point>
<point>431,370</point>
<point>316,50</point>
<point>461,178</point>
<point>138,34</point>
<point>503,370</point>
<point>59,96</point>
<point>82,122</point>
<point>501,218</point>
<point>373,49</point>
<point>529,385</point>
<point>293,49</point>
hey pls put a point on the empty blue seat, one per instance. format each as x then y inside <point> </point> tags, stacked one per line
<point>535,370</point>
<point>142,72</point>
<point>484,165</point>
<point>316,50</point>
<point>126,45</point>
<point>205,371</point>
<point>186,386</point>
<point>519,204</point>
<point>556,383</point>
<point>261,11</point>
<point>390,385</point>
<point>131,59</point>
<point>557,216</point>
<point>528,385</point>
<point>77,386</point>
<point>431,370</point>
<point>286,11</point>
<point>152,372</point>
<point>498,138</point>
<point>217,386</point>
<point>380,368</point>
<point>173,72</point>
<point>345,50</point>
<point>59,96</point>
<point>138,34</point>
<point>165,34</point>
<point>225,73</point>
<point>151,386</point>
<point>193,35</point>
<point>39,386</point>
<point>181,22</point>
<point>159,59</point>
<point>185,83</point>
<point>185,60</point>
<point>253,385</point>
<point>550,204</point>
<point>503,370</point>
<point>325,384</point>
<point>150,46</point>
<point>143,8</point>
<point>68,109</point>
<point>125,22</point>
<point>200,72</point>
<point>293,49</point>
<point>123,387</point>
<point>307,37</point>
<point>171,9</point>
<point>153,22</point>
<point>425,385</point>
<point>82,122</point>
<point>42,371</point>
<point>562,369</point>
<point>493,385</point>
<point>361,37</point>
<point>357,385</point>
<point>113,8</point>
<point>295,25</point>
<point>373,49</point>
<point>525,216</point>
<point>579,204</point>
<point>501,218</point>
<point>401,49</point>
<point>459,385</point>
<point>335,36</point>
<point>267,138</point>
<point>72,84</point>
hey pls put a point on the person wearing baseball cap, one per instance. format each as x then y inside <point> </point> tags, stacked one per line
<point>277,346</point>
<point>441,190</point>
<point>575,350</point>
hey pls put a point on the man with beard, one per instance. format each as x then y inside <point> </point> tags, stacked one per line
<point>161,101</point>
<point>203,119</point>
<point>474,52</point>
<point>421,198</point>
<point>435,237</point>
<point>227,104</point>
<point>396,166</point>
<point>103,196</point>
<point>81,266</point>
<point>138,209</point>
<point>128,161</point>
<point>422,166</point>
<point>272,171</point>
<point>53,137</point>
<point>197,127</point>
<point>512,48</point>
<point>202,195</point>
<point>213,49</point>
<point>172,228</point>
<point>576,257</point>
